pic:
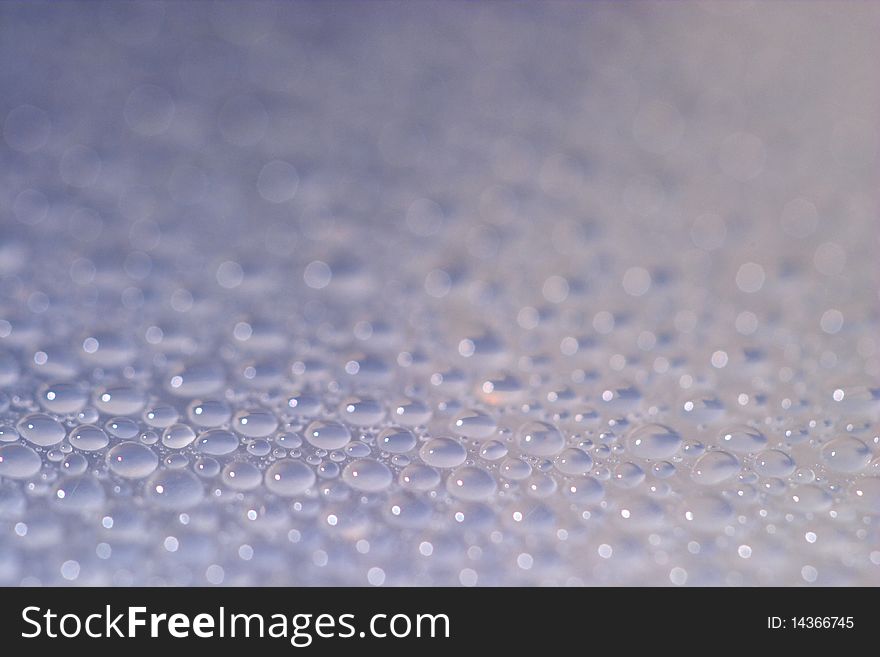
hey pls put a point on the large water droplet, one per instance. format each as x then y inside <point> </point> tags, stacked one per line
<point>289,478</point>
<point>653,441</point>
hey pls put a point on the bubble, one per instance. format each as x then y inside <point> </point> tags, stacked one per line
<point>474,424</point>
<point>653,441</point>
<point>774,463</point>
<point>713,467</point>
<point>149,110</point>
<point>40,429</point>
<point>396,440</point>
<point>120,400</point>
<point>132,460</point>
<point>361,411</point>
<point>62,398</point>
<point>255,424</point>
<point>846,454</point>
<point>19,462</point>
<point>26,128</point>
<point>742,439</point>
<point>278,181</point>
<point>242,476</point>
<point>470,483</point>
<point>88,438</point>
<point>216,442</point>
<point>443,453</point>
<point>174,490</point>
<point>367,475</point>
<point>289,478</point>
<point>540,439</point>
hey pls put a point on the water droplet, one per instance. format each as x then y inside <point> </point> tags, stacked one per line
<point>19,462</point>
<point>216,442</point>
<point>774,463</point>
<point>132,460</point>
<point>174,489</point>
<point>846,454</point>
<point>713,467</point>
<point>255,424</point>
<point>88,438</point>
<point>361,411</point>
<point>367,475</point>
<point>178,436</point>
<point>443,453</point>
<point>242,476</point>
<point>289,478</point>
<point>474,424</point>
<point>653,441</point>
<point>40,429</point>
<point>540,439</point>
<point>161,417</point>
<point>574,461</point>
<point>396,440</point>
<point>120,400</point>
<point>470,483</point>
<point>419,477</point>
<point>63,398</point>
<point>742,439</point>
<point>209,413</point>
<point>327,434</point>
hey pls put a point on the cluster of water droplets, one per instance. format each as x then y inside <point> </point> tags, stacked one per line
<point>289,296</point>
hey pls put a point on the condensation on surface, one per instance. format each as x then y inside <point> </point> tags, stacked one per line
<point>451,294</point>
